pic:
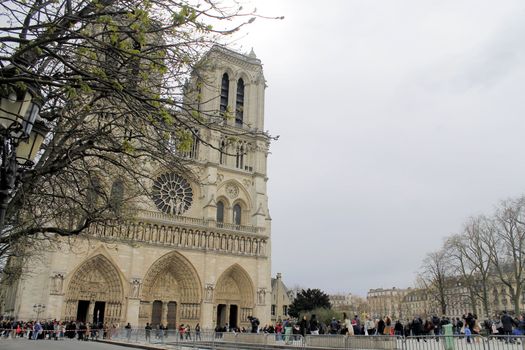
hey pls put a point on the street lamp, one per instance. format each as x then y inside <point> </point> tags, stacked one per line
<point>21,135</point>
<point>38,308</point>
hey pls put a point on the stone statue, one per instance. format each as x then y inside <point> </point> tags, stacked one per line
<point>58,283</point>
<point>135,288</point>
<point>209,292</point>
<point>262,295</point>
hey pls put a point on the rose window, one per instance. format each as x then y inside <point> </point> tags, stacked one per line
<point>172,193</point>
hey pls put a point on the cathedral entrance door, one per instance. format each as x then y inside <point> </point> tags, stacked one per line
<point>156,312</point>
<point>233,316</point>
<point>98,311</point>
<point>172,315</point>
<point>82,310</point>
<point>221,315</point>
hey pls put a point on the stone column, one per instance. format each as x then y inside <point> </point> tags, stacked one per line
<point>227,314</point>
<point>89,317</point>
<point>164,315</point>
<point>132,314</point>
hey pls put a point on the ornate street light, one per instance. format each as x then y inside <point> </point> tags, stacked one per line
<point>38,309</point>
<point>21,136</point>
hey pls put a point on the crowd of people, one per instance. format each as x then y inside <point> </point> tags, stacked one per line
<point>55,330</point>
<point>421,328</point>
<point>468,325</point>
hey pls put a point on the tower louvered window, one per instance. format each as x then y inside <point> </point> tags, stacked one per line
<point>239,104</point>
<point>225,87</point>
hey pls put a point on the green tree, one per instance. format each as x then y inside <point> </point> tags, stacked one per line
<point>308,300</point>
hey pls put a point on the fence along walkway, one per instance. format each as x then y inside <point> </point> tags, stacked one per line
<point>214,340</point>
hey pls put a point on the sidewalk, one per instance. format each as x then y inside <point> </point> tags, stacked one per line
<point>137,345</point>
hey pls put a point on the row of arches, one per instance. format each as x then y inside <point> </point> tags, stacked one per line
<point>170,292</point>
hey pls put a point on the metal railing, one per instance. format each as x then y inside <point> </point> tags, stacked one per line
<point>208,339</point>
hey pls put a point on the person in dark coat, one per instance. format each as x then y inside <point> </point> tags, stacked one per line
<point>469,321</point>
<point>303,326</point>
<point>398,328</point>
<point>507,323</point>
<point>417,327</point>
<point>380,326</point>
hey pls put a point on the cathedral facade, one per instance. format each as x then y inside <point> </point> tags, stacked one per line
<point>197,251</point>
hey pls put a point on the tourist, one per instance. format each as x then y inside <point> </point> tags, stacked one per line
<point>437,326</point>
<point>314,325</point>
<point>417,327</point>
<point>348,328</point>
<point>388,326</point>
<point>188,332</point>
<point>334,326</point>
<point>468,333</point>
<point>279,330</point>
<point>37,330</point>
<point>459,326</point>
<point>255,323</point>
<point>128,331</point>
<point>148,332</point>
<point>198,332</point>
<point>303,326</point>
<point>507,323</point>
<point>380,326</point>
<point>370,326</point>
<point>398,329</point>
<point>182,329</point>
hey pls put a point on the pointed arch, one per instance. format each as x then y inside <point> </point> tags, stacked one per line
<point>243,193</point>
<point>96,279</point>
<point>172,277</point>
<point>84,282</point>
<point>235,286</point>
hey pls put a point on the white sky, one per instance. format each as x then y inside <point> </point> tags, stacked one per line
<point>398,121</point>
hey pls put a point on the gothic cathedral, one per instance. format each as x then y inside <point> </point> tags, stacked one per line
<point>198,251</point>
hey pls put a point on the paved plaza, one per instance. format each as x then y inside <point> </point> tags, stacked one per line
<point>24,344</point>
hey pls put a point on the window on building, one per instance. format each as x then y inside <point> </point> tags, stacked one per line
<point>274,308</point>
<point>220,211</point>
<point>222,150</point>
<point>94,192</point>
<point>225,87</point>
<point>239,156</point>
<point>117,196</point>
<point>186,149</point>
<point>285,310</point>
<point>237,214</point>
<point>239,104</point>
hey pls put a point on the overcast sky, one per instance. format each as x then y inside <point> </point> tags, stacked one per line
<point>397,120</point>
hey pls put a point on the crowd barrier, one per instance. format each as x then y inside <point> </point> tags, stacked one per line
<point>211,340</point>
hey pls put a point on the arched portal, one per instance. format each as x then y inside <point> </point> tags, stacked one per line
<point>234,298</point>
<point>95,292</point>
<point>171,293</point>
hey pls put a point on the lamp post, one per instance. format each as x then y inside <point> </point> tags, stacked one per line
<point>21,136</point>
<point>38,308</point>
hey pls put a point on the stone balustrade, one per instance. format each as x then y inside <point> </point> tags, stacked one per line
<point>157,216</point>
<point>186,233</point>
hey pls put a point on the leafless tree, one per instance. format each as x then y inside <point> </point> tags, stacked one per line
<point>434,277</point>
<point>470,259</point>
<point>507,247</point>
